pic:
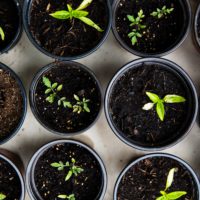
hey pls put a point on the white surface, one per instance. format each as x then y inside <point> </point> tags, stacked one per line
<point>26,60</point>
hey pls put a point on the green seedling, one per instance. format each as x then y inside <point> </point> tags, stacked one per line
<point>2,196</point>
<point>136,23</point>
<point>159,13</point>
<point>69,197</point>
<point>171,195</point>
<point>160,109</point>
<point>2,34</point>
<point>81,105</point>
<point>78,13</point>
<point>73,169</point>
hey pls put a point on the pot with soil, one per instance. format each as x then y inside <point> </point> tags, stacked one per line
<point>12,103</point>
<point>11,181</point>
<point>151,27</point>
<point>197,26</point>
<point>10,24</point>
<point>155,177</point>
<point>67,30</point>
<point>151,104</point>
<point>65,97</point>
<point>66,169</point>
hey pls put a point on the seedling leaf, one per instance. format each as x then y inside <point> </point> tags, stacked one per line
<point>62,14</point>
<point>160,110</point>
<point>174,99</point>
<point>78,14</point>
<point>148,106</point>
<point>153,97</point>
<point>176,195</point>
<point>170,178</point>
<point>84,4</point>
<point>2,34</point>
<point>46,82</point>
<point>2,196</point>
<point>91,23</point>
<point>68,175</point>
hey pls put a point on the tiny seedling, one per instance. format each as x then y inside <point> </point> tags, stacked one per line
<point>160,109</point>
<point>137,24</point>
<point>78,13</point>
<point>73,169</point>
<point>81,105</point>
<point>2,34</point>
<point>69,197</point>
<point>159,13</point>
<point>2,196</point>
<point>171,195</point>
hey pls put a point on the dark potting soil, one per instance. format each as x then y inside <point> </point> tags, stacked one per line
<point>159,34</point>
<point>11,104</point>
<point>129,96</point>
<point>65,37</point>
<point>50,182</point>
<point>9,21</point>
<point>148,177</point>
<point>75,81</point>
<point>198,26</point>
<point>10,184</point>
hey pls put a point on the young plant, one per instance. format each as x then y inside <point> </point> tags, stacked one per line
<point>137,24</point>
<point>78,13</point>
<point>159,13</point>
<point>171,195</point>
<point>160,109</point>
<point>73,169</point>
<point>69,197</point>
<point>2,196</point>
<point>81,105</point>
<point>2,34</point>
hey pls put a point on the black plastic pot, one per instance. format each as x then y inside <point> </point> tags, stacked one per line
<point>196,34</point>
<point>6,159</point>
<point>18,32</point>
<point>193,103</point>
<point>23,93</point>
<point>34,85</point>
<point>30,182</point>
<point>185,30</point>
<point>179,160</point>
<point>26,19</point>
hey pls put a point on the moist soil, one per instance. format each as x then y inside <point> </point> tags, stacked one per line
<point>129,96</point>
<point>9,22</point>
<point>198,26</point>
<point>50,182</point>
<point>66,37</point>
<point>11,104</point>
<point>148,177</point>
<point>10,184</point>
<point>159,34</point>
<point>75,80</point>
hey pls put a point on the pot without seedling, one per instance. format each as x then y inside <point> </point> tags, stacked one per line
<point>156,176</point>
<point>66,169</point>
<point>11,181</point>
<point>65,97</point>
<point>151,28</point>
<point>151,104</point>
<point>67,30</point>
<point>12,103</point>
<point>10,24</point>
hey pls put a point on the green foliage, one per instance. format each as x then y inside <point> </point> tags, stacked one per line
<point>2,196</point>
<point>137,24</point>
<point>160,109</point>
<point>171,195</point>
<point>69,197</point>
<point>81,105</point>
<point>2,34</point>
<point>159,13</point>
<point>78,13</point>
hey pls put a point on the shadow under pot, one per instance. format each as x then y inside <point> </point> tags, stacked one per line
<point>11,181</point>
<point>66,169</point>
<point>13,103</point>
<point>10,24</point>
<point>151,104</point>
<point>67,30</point>
<point>157,176</point>
<point>65,97</point>
<point>197,26</point>
<point>151,28</point>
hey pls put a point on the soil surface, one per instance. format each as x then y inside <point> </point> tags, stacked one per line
<point>11,104</point>
<point>148,177</point>
<point>75,81</point>
<point>66,37</point>
<point>129,96</point>
<point>159,34</point>
<point>50,182</point>
<point>10,184</point>
<point>9,22</point>
<point>198,26</point>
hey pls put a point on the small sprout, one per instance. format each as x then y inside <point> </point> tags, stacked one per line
<point>160,109</point>
<point>172,195</point>
<point>2,34</point>
<point>159,13</point>
<point>78,13</point>
<point>2,196</point>
<point>69,197</point>
<point>81,105</point>
<point>136,23</point>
